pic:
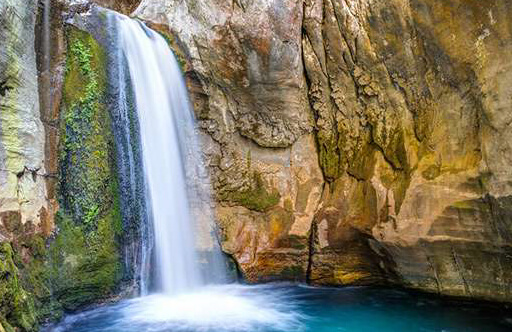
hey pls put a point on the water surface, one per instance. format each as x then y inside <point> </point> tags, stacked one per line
<point>277,308</point>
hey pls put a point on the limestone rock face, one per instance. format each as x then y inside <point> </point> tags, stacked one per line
<point>24,208</point>
<point>22,169</point>
<point>413,112</point>
<point>406,177</point>
<point>122,6</point>
<point>243,64</point>
<point>247,58</point>
<point>48,269</point>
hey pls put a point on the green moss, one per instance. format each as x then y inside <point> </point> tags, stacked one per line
<point>82,263</point>
<point>363,163</point>
<point>6,326</point>
<point>328,156</point>
<point>85,152</point>
<point>257,197</point>
<point>17,306</point>
<point>402,183</point>
<point>40,278</point>
<point>85,265</point>
<point>173,45</point>
<point>294,241</point>
<point>292,273</point>
<point>432,172</point>
<point>85,260</point>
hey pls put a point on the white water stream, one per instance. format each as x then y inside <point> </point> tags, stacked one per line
<point>178,204</point>
<point>164,112</point>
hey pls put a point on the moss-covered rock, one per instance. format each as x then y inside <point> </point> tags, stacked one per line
<point>85,265</point>
<point>80,264</point>
<point>256,197</point>
<point>43,270</point>
<point>16,305</point>
<point>86,139</point>
<point>85,260</point>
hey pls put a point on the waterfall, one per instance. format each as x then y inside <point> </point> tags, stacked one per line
<point>176,182</point>
<point>137,239</point>
<point>169,239</point>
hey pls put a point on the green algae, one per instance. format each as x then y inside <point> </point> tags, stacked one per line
<point>256,197</point>
<point>173,45</point>
<point>328,156</point>
<point>16,305</point>
<point>85,254</point>
<point>80,263</point>
<point>85,265</point>
<point>85,155</point>
<point>17,309</point>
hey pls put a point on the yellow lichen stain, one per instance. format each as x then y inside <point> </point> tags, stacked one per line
<point>280,221</point>
<point>481,50</point>
<point>349,277</point>
<point>275,226</point>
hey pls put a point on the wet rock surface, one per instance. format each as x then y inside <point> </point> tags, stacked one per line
<point>410,109</point>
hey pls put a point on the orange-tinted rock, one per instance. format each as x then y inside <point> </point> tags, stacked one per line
<point>411,116</point>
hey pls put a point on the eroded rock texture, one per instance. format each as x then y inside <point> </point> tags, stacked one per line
<point>24,209</point>
<point>52,151</point>
<point>406,177</point>
<point>121,6</point>
<point>413,112</point>
<point>244,67</point>
<point>22,171</point>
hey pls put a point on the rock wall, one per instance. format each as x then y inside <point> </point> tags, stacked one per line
<point>413,109</point>
<point>24,210</point>
<point>245,73</point>
<point>56,151</point>
<point>22,170</point>
<point>356,142</point>
<point>85,254</point>
<point>349,142</point>
<point>121,6</point>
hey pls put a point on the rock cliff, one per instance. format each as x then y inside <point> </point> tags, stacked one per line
<point>245,73</point>
<point>22,170</point>
<point>55,146</point>
<point>24,209</point>
<point>413,113</point>
<point>349,142</point>
<point>356,142</point>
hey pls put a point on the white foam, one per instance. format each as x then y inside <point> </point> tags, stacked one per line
<point>216,308</point>
<point>233,308</point>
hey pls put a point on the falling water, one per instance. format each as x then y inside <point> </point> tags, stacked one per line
<point>137,239</point>
<point>160,164</point>
<point>169,154</point>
